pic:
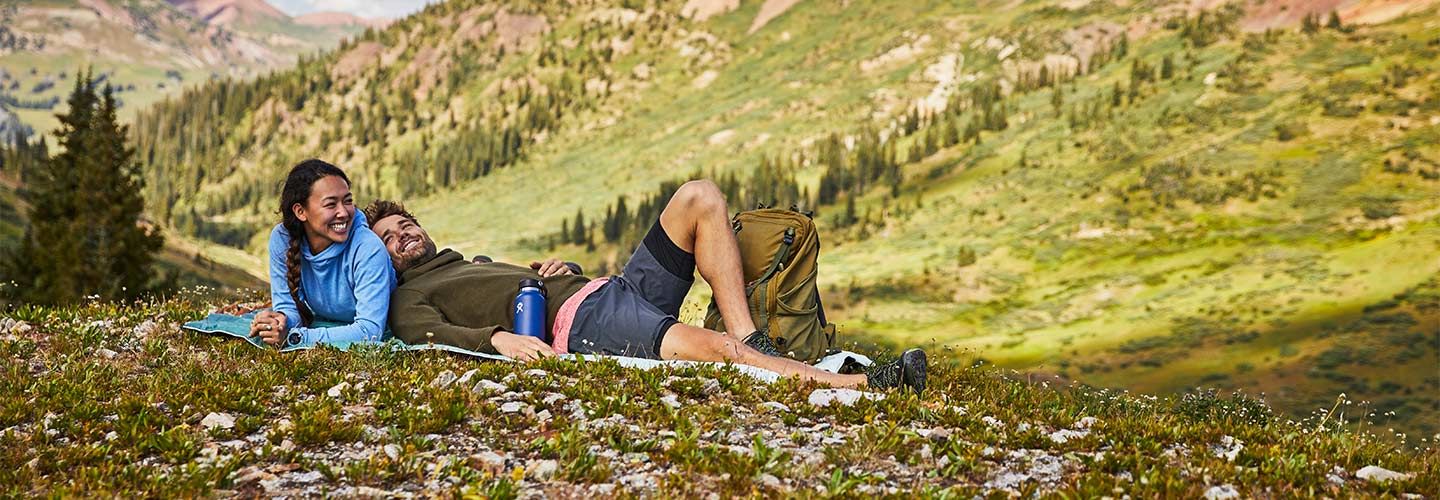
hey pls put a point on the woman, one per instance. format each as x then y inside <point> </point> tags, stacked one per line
<point>325,263</point>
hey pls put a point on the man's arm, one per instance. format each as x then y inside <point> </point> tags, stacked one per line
<point>416,321</point>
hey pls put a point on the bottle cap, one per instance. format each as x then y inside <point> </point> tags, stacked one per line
<point>532,283</point>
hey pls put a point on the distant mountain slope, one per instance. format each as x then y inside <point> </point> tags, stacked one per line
<point>339,19</point>
<point>229,12</point>
<point>1141,195</point>
<point>148,48</point>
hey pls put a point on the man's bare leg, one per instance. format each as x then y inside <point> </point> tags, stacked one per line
<point>693,343</point>
<point>697,219</point>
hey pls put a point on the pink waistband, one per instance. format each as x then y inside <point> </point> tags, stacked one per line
<point>561,331</point>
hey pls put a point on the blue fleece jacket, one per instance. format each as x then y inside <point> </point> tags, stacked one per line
<point>347,282</point>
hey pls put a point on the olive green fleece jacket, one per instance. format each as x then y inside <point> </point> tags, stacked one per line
<point>448,300</point>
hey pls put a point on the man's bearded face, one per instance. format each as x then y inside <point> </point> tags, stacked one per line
<point>408,244</point>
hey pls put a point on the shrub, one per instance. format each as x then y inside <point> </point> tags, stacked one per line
<point>1379,208</point>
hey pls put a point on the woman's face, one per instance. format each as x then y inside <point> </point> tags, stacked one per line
<point>328,212</point>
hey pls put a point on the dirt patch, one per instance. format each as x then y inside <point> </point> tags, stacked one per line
<point>903,53</point>
<point>1284,13</point>
<point>1087,40</point>
<point>112,13</point>
<point>771,10</point>
<point>700,10</point>
<point>1055,64</point>
<point>474,25</point>
<point>1379,11</point>
<point>705,79</point>
<point>947,74</point>
<point>430,68</point>
<point>1289,13</point>
<point>356,59</point>
<point>513,30</point>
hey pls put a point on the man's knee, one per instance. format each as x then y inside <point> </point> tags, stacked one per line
<point>701,194</point>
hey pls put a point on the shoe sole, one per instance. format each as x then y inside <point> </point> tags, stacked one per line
<point>914,368</point>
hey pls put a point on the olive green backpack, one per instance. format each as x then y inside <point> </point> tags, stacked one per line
<point>778,251</point>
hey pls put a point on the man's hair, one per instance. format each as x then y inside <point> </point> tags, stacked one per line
<point>380,209</point>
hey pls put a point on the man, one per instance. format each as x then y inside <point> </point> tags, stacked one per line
<point>444,299</point>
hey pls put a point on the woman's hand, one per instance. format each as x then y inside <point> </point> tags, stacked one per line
<point>521,347</point>
<point>269,326</point>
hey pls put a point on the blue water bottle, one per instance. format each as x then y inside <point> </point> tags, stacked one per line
<point>530,309</point>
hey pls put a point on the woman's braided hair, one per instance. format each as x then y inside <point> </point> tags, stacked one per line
<point>297,191</point>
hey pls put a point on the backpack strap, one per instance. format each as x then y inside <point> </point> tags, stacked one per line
<point>779,260</point>
<point>769,273</point>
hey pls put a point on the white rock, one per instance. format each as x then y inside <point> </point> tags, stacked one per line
<point>392,451</point>
<point>512,407</point>
<point>641,71</point>
<point>544,416</point>
<point>1377,474</point>
<point>1228,448</point>
<point>218,420</point>
<point>145,328</point>
<point>544,469</point>
<point>1222,492</point>
<point>1210,78</point>
<point>337,390</point>
<point>106,353</point>
<point>775,405</point>
<point>670,400</point>
<point>770,481</point>
<point>487,385</point>
<point>552,398</point>
<point>111,436</point>
<point>372,492</point>
<point>536,373</point>
<point>1065,435</point>
<point>443,380</point>
<point>847,397</point>
<point>306,477</point>
<point>465,379</point>
<point>488,461</point>
<point>1086,423</point>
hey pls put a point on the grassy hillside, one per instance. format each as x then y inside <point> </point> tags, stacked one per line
<point>1173,202</point>
<point>113,400</point>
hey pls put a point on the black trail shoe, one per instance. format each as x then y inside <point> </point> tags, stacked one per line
<point>908,370</point>
<point>759,341</point>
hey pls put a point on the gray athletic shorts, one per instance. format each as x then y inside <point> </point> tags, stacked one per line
<point>629,315</point>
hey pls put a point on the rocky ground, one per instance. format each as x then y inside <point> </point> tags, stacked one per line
<point>105,399</point>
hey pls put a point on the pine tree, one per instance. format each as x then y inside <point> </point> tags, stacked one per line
<point>85,237</point>
<point>1310,23</point>
<point>581,235</point>
<point>1334,22</point>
